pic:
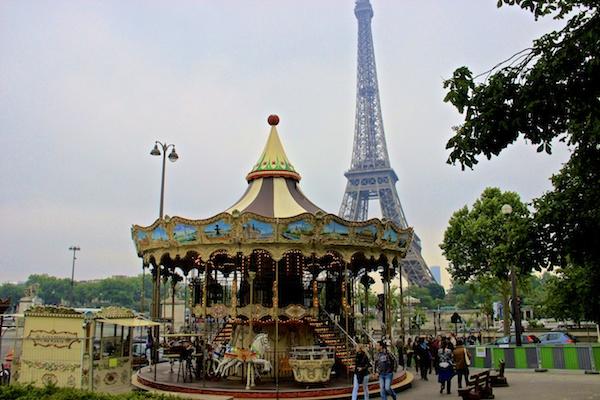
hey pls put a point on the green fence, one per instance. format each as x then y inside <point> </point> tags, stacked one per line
<point>572,357</point>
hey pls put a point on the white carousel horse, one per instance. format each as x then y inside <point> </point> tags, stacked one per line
<point>260,346</point>
<point>254,360</point>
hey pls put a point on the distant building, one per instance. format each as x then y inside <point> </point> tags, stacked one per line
<point>436,271</point>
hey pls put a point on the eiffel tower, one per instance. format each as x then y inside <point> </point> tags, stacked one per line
<point>370,175</point>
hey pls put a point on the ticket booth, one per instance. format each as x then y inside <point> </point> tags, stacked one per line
<point>86,349</point>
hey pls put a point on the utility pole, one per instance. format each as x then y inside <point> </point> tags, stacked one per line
<point>74,249</point>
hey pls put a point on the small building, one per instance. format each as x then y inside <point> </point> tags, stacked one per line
<point>84,349</point>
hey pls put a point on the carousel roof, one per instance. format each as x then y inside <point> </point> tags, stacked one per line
<point>273,184</point>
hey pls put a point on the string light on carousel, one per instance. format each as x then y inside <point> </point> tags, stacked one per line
<point>273,285</point>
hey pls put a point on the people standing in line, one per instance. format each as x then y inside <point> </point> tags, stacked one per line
<point>362,366</point>
<point>462,361</point>
<point>416,353</point>
<point>409,352</point>
<point>434,346</point>
<point>446,369</point>
<point>385,365</point>
<point>400,350</point>
<point>424,358</point>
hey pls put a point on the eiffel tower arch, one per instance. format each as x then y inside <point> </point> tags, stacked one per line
<point>370,175</point>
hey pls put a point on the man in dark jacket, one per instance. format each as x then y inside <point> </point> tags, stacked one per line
<point>362,365</point>
<point>424,357</point>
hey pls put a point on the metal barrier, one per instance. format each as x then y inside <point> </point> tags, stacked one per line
<point>572,357</point>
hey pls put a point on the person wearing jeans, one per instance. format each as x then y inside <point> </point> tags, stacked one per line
<point>361,373</point>
<point>385,365</point>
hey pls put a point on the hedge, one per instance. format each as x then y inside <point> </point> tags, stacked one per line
<point>27,392</point>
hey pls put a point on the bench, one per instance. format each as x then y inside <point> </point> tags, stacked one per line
<point>478,387</point>
<point>498,379</point>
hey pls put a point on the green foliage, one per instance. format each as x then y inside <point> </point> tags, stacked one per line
<point>482,242</point>
<point>27,392</point>
<point>572,295</point>
<point>122,291</point>
<point>549,91</point>
<point>12,291</point>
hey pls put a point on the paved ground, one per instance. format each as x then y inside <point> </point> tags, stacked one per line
<point>523,386</point>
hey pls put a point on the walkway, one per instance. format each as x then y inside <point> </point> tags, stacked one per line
<point>524,385</point>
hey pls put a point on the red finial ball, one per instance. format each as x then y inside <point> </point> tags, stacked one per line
<point>273,120</point>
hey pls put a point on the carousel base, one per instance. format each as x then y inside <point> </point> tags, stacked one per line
<point>226,389</point>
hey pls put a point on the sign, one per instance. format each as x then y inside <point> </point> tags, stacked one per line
<point>59,340</point>
<point>113,363</point>
<point>480,352</point>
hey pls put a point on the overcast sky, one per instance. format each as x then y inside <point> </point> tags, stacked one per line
<point>86,87</point>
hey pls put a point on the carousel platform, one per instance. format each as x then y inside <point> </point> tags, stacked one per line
<point>226,389</point>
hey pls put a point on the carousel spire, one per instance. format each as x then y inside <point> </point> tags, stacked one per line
<point>273,161</point>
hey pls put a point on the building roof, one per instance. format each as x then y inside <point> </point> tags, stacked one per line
<point>273,183</point>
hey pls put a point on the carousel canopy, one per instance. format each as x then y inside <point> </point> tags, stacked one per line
<point>273,189</point>
<point>273,215</point>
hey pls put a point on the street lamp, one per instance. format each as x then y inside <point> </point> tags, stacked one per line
<point>516,309</point>
<point>156,151</point>
<point>74,249</point>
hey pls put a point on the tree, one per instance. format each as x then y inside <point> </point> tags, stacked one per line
<point>571,296</point>
<point>547,92</point>
<point>482,243</point>
<point>12,291</point>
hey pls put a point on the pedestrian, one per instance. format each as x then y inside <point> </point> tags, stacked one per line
<point>385,365</point>
<point>446,370</point>
<point>400,350</point>
<point>462,360</point>
<point>409,352</point>
<point>416,353</point>
<point>362,365</point>
<point>424,358</point>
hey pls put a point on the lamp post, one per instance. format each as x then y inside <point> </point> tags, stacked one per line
<point>515,307</point>
<point>74,249</point>
<point>156,151</point>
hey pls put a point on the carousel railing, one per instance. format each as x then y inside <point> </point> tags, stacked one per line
<point>339,327</point>
<point>369,336</point>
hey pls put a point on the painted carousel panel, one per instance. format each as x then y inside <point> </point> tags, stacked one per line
<point>390,235</point>
<point>366,233</point>
<point>159,234</point>
<point>142,238</point>
<point>184,233</point>
<point>404,240</point>
<point>254,229</point>
<point>218,229</point>
<point>295,231</point>
<point>335,231</point>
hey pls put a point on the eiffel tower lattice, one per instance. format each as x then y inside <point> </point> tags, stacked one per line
<point>370,175</point>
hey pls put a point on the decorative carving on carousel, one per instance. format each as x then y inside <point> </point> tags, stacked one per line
<point>258,311</point>
<point>115,312</point>
<point>53,311</point>
<point>177,236</point>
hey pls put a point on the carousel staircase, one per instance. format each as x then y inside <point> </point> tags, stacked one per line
<point>224,335</point>
<point>332,337</point>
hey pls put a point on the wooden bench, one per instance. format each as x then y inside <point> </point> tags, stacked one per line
<point>478,387</point>
<point>498,379</point>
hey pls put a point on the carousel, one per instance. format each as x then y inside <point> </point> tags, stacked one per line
<point>272,284</point>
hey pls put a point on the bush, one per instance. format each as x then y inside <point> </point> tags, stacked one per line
<point>28,392</point>
<point>535,324</point>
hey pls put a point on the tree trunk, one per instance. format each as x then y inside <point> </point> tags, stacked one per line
<point>505,292</point>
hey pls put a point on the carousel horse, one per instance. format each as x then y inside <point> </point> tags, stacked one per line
<point>253,359</point>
